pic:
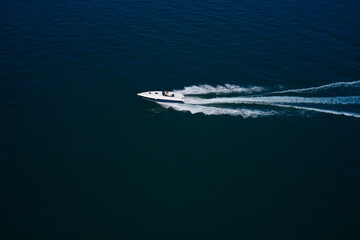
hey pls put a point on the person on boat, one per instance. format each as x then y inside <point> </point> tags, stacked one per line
<point>167,94</point>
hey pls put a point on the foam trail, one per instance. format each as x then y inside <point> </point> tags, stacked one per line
<point>324,87</point>
<point>247,96</point>
<point>227,88</point>
<point>278,99</point>
<point>231,88</point>
<point>245,113</point>
<point>348,114</point>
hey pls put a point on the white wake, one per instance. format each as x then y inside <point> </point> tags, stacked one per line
<point>277,99</point>
<point>338,85</point>
<point>251,101</point>
<point>243,112</point>
<point>227,88</point>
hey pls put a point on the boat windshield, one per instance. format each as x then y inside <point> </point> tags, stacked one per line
<point>167,94</point>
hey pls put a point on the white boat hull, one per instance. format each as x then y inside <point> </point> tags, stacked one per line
<point>161,96</point>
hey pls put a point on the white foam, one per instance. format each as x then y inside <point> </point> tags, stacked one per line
<point>198,105</point>
<point>245,113</point>
<point>231,88</point>
<point>278,99</point>
<point>227,88</point>
<point>348,114</point>
<point>324,87</point>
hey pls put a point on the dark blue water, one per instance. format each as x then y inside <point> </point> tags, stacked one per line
<point>266,146</point>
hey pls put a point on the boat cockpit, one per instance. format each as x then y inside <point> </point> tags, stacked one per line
<point>167,94</point>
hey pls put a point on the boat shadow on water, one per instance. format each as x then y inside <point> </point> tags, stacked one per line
<point>152,107</point>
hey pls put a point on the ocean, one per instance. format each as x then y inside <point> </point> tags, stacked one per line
<point>265,147</point>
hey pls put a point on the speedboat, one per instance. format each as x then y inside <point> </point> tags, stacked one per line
<point>162,96</point>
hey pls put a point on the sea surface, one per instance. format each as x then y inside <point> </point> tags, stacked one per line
<point>265,147</point>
